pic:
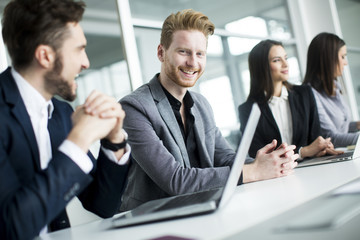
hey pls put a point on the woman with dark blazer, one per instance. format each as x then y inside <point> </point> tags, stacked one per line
<point>288,112</point>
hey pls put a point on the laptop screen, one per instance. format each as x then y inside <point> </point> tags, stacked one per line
<point>241,154</point>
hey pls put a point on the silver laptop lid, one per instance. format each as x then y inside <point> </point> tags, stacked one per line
<point>241,154</point>
<point>357,149</point>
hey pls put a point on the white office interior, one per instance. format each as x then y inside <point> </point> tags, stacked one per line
<point>123,36</point>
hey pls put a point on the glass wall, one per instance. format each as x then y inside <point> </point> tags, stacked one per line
<point>349,20</point>
<point>108,71</point>
<point>225,82</point>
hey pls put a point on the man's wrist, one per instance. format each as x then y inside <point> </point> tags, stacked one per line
<point>105,143</point>
<point>112,146</point>
<point>302,152</point>
<point>76,137</point>
<point>247,173</point>
<point>300,155</point>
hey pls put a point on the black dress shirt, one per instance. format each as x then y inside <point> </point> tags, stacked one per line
<point>187,130</point>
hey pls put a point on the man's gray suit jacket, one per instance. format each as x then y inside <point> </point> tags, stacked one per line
<point>161,165</point>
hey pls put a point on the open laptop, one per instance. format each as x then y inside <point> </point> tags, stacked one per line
<point>346,156</point>
<point>194,203</point>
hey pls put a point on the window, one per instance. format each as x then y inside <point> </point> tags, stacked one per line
<point>349,18</point>
<point>225,82</point>
<point>108,71</point>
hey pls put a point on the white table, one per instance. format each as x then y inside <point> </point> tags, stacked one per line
<point>251,204</point>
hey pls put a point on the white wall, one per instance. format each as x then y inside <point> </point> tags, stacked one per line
<point>311,17</point>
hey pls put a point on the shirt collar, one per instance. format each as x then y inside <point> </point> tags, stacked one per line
<point>283,96</point>
<point>176,104</point>
<point>33,100</point>
<point>337,86</point>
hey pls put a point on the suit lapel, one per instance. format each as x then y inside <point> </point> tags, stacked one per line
<point>266,112</point>
<point>13,98</point>
<point>167,115</point>
<point>200,136</point>
<point>294,117</point>
<point>56,130</point>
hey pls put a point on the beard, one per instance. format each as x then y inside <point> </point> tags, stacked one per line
<point>56,84</point>
<point>173,73</point>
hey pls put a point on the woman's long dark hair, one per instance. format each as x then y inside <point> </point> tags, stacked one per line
<point>323,61</point>
<point>261,83</point>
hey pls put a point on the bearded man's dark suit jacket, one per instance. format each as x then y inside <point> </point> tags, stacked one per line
<point>305,120</point>
<point>31,198</point>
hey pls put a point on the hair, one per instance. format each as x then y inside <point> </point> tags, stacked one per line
<point>261,83</point>
<point>28,24</point>
<point>187,19</point>
<point>323,61</point>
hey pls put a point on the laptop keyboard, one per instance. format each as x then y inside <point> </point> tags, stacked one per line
<point>190,199</point>
<point>341,156</point>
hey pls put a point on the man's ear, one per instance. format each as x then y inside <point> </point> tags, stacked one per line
<point>161,53</point>
<point>45,56</point>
